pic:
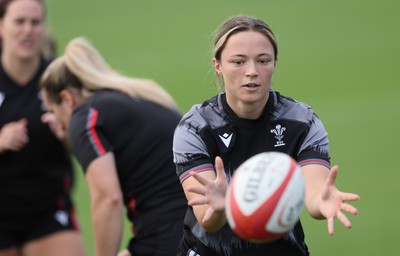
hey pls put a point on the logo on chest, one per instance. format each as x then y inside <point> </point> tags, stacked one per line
<point>226,138</point>
<point>278,131</point>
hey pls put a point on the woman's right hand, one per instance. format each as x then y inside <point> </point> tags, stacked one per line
<point>14,135</point>
<point>212,192</point>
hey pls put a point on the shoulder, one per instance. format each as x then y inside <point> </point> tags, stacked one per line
<point>190,134</point>
<point>101,104</point>
<point>108,95</point>
<point>209,113</point>
<point>91,107</point>
<point>288,108</point>
<point>107,102</point>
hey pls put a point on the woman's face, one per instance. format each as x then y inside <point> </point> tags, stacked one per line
<point>22,29</point>
<point>247,65</point>
<point>62,111</point>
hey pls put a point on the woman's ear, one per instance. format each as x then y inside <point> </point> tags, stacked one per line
<point>217,67</point>
<point>68,97</point>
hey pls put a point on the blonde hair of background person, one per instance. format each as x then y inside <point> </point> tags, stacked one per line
<point>121,131</point>
<point>94,72</point>
<point>36,214</point>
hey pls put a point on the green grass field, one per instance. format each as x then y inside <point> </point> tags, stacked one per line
<point>340,57</point>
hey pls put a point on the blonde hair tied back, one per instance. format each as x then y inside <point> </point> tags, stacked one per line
<point>87,64</point>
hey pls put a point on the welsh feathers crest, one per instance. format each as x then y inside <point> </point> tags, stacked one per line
<point>278,131</point>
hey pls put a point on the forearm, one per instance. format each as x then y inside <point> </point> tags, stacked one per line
<point>312,206</point>
<point>107,218</point>
<point>314,177</point>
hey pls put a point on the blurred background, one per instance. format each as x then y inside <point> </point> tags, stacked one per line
<point>340,57</point>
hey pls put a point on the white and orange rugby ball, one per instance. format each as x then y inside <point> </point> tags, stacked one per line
<point>265,197</point>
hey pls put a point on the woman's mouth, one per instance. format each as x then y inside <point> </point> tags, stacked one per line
<point>251,85</point>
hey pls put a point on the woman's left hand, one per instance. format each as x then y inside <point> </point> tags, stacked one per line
<point>333,202</point>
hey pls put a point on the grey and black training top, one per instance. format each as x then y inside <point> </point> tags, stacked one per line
<point>212,129</point>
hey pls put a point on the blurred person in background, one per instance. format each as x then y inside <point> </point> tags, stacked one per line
<point>245,119</point>
<point>36,211</point>
<point>120,129</point>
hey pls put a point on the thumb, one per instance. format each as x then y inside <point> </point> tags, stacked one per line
<point>332,175</point>
<point>219,166</point>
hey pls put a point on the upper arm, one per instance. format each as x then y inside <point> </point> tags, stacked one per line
<point>189,152</point>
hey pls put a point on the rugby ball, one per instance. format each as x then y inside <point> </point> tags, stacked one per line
<point>265,197</point>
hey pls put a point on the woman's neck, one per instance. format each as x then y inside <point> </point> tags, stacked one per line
<point>248,111</point>
<point>20,71</point>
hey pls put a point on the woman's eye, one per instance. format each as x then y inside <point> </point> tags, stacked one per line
<point>36,22</point>
<point>264,61</point>
<point>237,62</point>
<point>19,21</point>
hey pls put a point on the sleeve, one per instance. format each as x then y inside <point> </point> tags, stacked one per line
<point>315,147</point>
<point>189,151</point>
<point>87,136</point>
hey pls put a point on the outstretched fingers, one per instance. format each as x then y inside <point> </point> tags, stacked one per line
<point>346,222</point>
<point>202,180</point>
<point>219,167</point>
<point>331,223</point>
<point>334,202</point>
<point>349,208</point>
<point>332,175</point>
<point>198,201</point>
<point>198,190</point>
<point>350,197</point>
<point>331,226</point>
